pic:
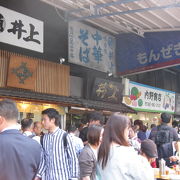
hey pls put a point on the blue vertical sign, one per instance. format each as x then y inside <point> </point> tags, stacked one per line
<point>91,48</point>
<point>157,50</point>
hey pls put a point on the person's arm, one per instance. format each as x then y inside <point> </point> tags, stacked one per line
<point>42,166</point>
<point>175,135</point>
<point>73,162</point>
<point>86,164</point>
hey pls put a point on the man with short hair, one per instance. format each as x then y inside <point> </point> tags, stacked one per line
<point>60,161</point>
<point>76,140</point>
<point>37,131</point>
<point>20,155</point>
<point>93,118</point>
<point>27,127</point>
<point>163,133</point>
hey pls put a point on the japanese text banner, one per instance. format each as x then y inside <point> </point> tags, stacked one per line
<point>157,50</point>
<point>150,99</point>
<point>20,30</point>
<point>91,48</point>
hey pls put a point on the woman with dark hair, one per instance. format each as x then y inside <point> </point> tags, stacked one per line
<point>116,158</point>
<point>88,156</point>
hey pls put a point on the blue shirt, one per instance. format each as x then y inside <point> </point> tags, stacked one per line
<point>57,162</point>
<point>77,143</point>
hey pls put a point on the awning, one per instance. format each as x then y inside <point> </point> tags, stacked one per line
<point>63,100</point>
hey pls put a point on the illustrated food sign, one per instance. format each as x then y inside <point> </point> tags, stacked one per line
<point>156,50</point>
<point>20,30</point>
<point>91,48</point>
<point>147,98</point>
<point>108,91</point>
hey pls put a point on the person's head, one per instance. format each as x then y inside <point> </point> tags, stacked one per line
<point>37,128</point>
<point>80,126</point>
<point>153,125</point>
<point>149,150</point>
<point>133,131</point>
<point>115,131</point>
<point>50,119</point>
<point>95,118</point>
<point>8,113</point>
<point>27,125</point>
<point>138,123</point>
<point>165,117</point>
<point>94,135</point>
<point>72,129</point>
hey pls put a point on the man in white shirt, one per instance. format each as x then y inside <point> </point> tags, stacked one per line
<point>27,127</point>
<point>76,140</point>
<point>59,161</point>
<point>38,131</point>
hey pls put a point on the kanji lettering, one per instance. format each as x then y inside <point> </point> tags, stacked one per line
<point>155,96</point>
<point>110,55</point>
<point>97,53</point>
<point>32,33</point>
<point>105,45</point>
<point>146,95</point>
<point>83,36</point>
<point>2,23</point>
<point>110,42</point>
<point>84,55</point>
<point>159,97</point>
<point>17,27</point>
<point>151,95</point>
<point>97,37</point>
<point>166,52</point>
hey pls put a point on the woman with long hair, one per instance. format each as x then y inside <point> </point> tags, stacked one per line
<point>116,158</point>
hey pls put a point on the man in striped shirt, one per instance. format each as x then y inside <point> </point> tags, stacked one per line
<point>59,162</point>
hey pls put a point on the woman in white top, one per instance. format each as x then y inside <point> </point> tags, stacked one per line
<point>116,159</point>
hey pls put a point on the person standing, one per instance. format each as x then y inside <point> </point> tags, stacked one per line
<point>116,159</point>
<point>20,155</point>
<point>78,144</point>
<point>38,131</point>
<point>27,127</point>
<point>163,133</point>
<point>88,156</point>
<point>93,118</point>
<point>148,132</point>
<point>59,162</point>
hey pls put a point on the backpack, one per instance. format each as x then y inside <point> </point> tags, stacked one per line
<point>163,135</point>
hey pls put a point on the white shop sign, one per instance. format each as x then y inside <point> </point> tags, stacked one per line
<point>20,30</point>
<point>147,98</point>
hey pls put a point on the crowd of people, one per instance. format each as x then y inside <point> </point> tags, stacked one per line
<point>118,149</point>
